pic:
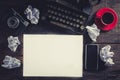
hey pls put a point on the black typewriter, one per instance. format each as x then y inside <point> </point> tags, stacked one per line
<point>66,15</point>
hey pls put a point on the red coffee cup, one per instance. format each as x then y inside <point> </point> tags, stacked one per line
<point>106,19</point>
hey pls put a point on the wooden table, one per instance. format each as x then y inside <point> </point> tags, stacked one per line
<point>106,38</point>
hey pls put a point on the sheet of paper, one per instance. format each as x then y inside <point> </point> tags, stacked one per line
<point>53,55</point>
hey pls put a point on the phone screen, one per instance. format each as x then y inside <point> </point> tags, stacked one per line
<point>91,57</point>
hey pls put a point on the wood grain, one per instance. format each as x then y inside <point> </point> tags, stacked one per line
<point>106,38</point>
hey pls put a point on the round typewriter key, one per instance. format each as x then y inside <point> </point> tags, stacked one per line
<point>63,21</point>
<point>70,18</point>
<point>82,27</point>
<point>74,25</point>
<point>77,15</point>
<point>58,9</point>
<point>53,17</point>
<point>66,17</point>
<point>81,16</point>
<point>49,16</point>
<point>74,19</point>
<point>57,18</point>
<point>55,8</point>
<point>62,10</point>
<point>84,18</point>
<point>52,12</point>
<point>51,6</point>
<point>78,20</point>
<point>68,12</point>
<point>49,11</point>
<point>81,22</point>
<point>65,11</point>
<point>59,14</point>
<point>71,24</point>
<point>63,16</point>
<point>55,13</point>
<point>67,22</point>
<point>77,25</point>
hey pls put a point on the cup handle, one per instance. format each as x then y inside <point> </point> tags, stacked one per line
<point>98,17</point>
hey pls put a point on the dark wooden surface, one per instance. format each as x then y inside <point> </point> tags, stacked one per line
<point>106,38</point>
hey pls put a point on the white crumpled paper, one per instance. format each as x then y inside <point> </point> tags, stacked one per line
<point>13,43</point>
<point>10,62</point>
<point>106,55</point>
<point>93,32</point>
<point>32,14</point>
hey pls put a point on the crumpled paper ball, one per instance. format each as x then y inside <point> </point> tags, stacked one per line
<point>10,62</point>
<point>13,43</point>
<point>106,55</point>
<point>32,14</point>
<point>93,32</point>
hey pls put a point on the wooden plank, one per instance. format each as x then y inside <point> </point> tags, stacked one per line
<point>111,73</point>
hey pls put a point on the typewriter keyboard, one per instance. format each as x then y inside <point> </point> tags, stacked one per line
<point>65,17</point>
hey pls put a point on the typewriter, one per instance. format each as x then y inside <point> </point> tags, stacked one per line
<point>66,14</point>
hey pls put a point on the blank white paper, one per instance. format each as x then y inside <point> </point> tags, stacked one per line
<point>53,55</point>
